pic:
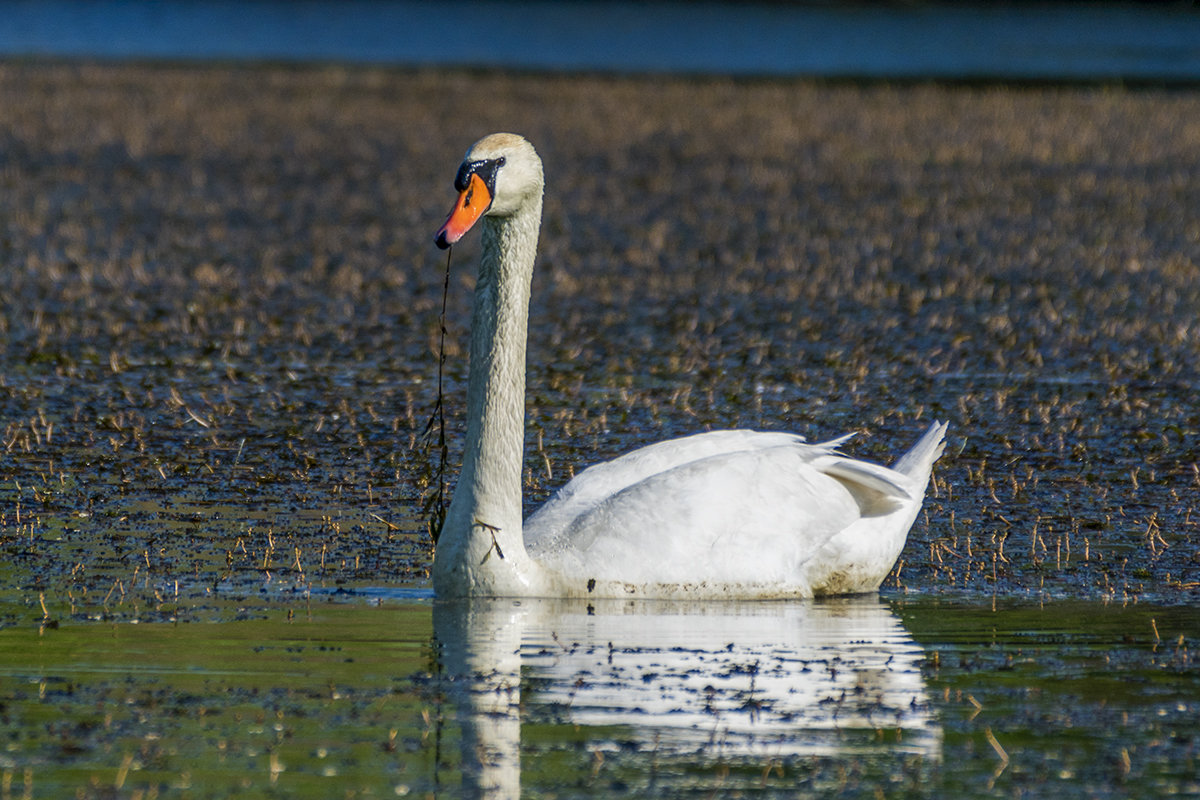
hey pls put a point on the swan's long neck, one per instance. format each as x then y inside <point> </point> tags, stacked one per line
<point>481,549</point>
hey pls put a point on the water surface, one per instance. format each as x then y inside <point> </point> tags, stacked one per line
<point>503,699</point>
<point>937,40</point>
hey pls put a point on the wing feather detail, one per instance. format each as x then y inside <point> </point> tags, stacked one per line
<point>737,494</point>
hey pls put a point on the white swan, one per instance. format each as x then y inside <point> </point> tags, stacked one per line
<point>726,514</point>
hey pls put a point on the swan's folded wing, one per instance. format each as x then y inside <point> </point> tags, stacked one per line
<point>601,481</point>
<point>751,516</point>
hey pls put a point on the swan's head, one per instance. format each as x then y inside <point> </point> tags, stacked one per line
<point>500,174</point>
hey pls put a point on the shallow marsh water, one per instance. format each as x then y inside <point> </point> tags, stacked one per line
<point>380,697</point>
<point>219,315</point>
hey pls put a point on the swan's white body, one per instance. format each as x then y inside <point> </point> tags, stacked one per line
<point>727,514</point>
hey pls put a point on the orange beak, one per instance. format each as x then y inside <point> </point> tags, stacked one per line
<point>473,201</point>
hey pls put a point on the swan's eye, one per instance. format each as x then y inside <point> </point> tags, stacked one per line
<point>486,170</point>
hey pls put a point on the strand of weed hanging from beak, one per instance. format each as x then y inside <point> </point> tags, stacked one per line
<point>435,506</point>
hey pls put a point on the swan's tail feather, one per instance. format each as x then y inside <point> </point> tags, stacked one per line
<point>918,461</point>
<point>896,488</point>
<point>833,444</point>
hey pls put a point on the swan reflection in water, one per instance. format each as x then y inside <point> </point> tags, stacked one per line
<point>755,681</point>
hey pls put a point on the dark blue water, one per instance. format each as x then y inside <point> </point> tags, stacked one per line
<point>1009,41</point>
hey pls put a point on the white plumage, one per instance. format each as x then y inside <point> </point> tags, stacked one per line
<point>722,514</point>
